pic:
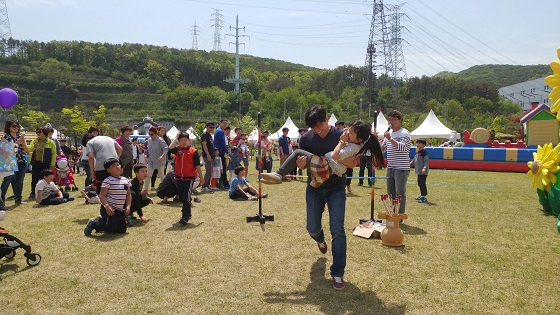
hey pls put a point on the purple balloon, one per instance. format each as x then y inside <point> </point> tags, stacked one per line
<point>8,98</point>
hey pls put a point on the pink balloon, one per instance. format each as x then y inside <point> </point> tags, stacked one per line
<point>8,98</point>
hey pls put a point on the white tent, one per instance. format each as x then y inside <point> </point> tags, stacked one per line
<point>254,135</point>
<point>191,133</point>
<point>431,128</point>
<point>292,133</point>
<point>172,133</point>
<point>332,120</point>
<point>382,124</point>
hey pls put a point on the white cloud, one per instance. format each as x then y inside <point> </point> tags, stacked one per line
<point>39,3</point>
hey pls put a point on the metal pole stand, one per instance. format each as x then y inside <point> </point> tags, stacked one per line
<point>260,217</point>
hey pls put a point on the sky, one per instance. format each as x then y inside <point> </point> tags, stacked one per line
<point>437,35</point>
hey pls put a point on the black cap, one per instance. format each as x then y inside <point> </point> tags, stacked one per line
<point>210,124</point>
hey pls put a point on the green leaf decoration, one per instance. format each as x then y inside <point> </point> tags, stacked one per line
<point>554,200</point>
<point>543,200</point>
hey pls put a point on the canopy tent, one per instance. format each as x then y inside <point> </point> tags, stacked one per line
<point>191,132</point>
<point>332,120</point>
<point>382,124</point>
<point>172,133</point>
<point>431,128</point>
<point>292,133</point>
<point>254,135</point>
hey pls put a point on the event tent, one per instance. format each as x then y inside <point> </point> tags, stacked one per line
<point>172,133</point>
<point>332,120</point>
<point>292,133</point>
<point>431,128</point>
<point>382,124</point>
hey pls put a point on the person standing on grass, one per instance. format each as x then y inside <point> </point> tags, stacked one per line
<point>126,157</point>
<point>115,200</point>
<point>187,167</point>
<point>157,155</point>
<point>84,159</point>
<point>284,146</point>
<point>101,149</point>
<point>208,155</point>
<point>12,134</point>
<point>397,144</point>
<point>319,141</point>
<point>43,156</point>
<point>421,167</point>
<point>221,143</point>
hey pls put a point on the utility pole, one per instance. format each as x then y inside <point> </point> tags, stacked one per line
<point>237,80</point>
<point>217,27</point>
<point>195,37</point>
<point>284,109</point>
<point>5,30</point>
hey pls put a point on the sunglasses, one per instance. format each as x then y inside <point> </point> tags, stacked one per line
<point>14,126</point>
<point>152,134</point>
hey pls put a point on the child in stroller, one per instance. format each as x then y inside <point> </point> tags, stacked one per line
<point>64,176</point>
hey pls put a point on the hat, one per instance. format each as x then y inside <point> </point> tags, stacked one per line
<point>210,124</point>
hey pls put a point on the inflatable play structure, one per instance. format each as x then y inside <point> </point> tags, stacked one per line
<point>546,161</point>
<point>478,151</point>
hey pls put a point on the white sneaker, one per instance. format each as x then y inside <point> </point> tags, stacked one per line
<point>206,189</point>
<point>214,188</point>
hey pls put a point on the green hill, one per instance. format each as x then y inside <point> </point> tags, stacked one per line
<point>501,75</point>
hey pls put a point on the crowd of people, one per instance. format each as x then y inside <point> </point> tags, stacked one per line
<point>119,172</point>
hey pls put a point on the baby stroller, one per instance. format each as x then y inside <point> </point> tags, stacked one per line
<point>64,177</point>
<point>11,243</point>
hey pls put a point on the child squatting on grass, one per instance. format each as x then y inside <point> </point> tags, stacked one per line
<point>46,192</point>
<point>187,167</point>
<point>236,189</point>
<point>139,200</point>
<point>353,143</point>
<point>115,200</point>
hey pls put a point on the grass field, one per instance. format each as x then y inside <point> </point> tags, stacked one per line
<point>482,245</point>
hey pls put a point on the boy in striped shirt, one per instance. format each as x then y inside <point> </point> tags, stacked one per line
<point>397,144</point>
<point>115,200</point>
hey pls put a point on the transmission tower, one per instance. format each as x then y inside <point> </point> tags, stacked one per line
<point>194,33</point>
<point>377,57</point>
<point>5,30</point>
<point>217,28</point>
<point>237,80</point>
<point>397,68</point>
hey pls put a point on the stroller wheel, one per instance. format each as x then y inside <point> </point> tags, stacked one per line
<point>33,259</point>
<point>11,254</point>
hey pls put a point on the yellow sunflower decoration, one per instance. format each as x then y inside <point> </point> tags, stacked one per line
<point>554,81</point>
<point>544,167</point>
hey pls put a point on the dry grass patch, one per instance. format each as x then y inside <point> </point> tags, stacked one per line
<point>482,245</point>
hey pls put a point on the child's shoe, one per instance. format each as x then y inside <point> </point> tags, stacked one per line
<point>144,219</point>
<point>418,198</point>
<point>129,221</point>
<point>89,227</point>
<point>271,178</point>
<point>422,200</point>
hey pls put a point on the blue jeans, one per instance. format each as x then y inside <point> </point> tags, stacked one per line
<point>89,177</point>
<point>335,199</point>
<point>16,180</point>
<point>396,185</point>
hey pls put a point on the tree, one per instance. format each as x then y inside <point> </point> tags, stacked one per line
<point>35,119</point>
<point>100,119</point>
<point>77,124</point>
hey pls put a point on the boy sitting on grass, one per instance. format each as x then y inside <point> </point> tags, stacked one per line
<point>115,200</point>
<point>236,189</point>
<point>46,192</point>
<point>90,194</point>
<point>139,200</point>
